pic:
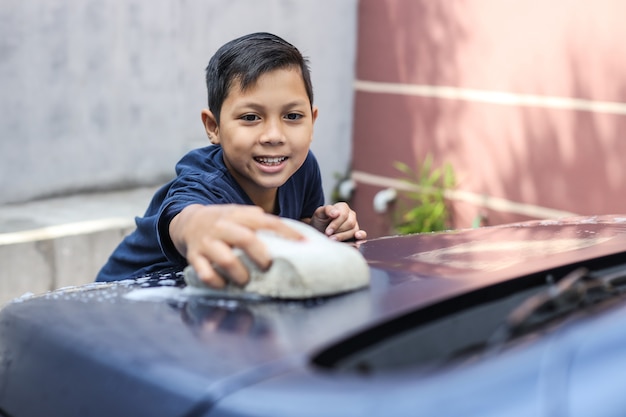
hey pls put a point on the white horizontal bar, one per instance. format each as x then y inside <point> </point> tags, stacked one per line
<point>68,229</point>
<point>492,97</point>
<point>480,200</point>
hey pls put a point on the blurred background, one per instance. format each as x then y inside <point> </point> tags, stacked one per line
<point>521,101</point>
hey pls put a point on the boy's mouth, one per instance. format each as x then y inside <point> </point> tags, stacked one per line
<point>265,160</point>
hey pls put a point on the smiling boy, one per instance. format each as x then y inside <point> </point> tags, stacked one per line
<point>259,121</point>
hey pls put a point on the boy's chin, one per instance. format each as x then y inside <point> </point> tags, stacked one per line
<point>270,185</point>
<point>272,181</point>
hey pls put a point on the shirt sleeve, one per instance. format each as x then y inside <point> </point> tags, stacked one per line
<point>193,189</point>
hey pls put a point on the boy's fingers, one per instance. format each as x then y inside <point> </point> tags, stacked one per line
<point>237,229</point>
<point>332,212</point>
<point>341,236</point>
<point>256,250</point>
<point>219,271</point>
<point>360,235</point>
<point>226,263</point>
<point>353,233</point>
<point>216,263</point>
<point>205,272</point>
<point>222,255</point>
<point>327,212</point>
<point>212,253</point>
<point>345,222</point>
<point>245,237</point>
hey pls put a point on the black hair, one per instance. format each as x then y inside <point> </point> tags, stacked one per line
<point>245,59</point>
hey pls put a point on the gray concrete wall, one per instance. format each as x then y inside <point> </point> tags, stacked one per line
<point>59,242</point>
<point>99,96</point>
<point>107,95</point>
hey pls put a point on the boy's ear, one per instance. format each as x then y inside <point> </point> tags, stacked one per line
<point>314,113</point>
<point>210,125</point>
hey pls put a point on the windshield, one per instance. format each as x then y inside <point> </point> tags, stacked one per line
<point>480,322</point>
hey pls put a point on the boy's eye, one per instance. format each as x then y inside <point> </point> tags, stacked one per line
<point>293,116</point>
<point>249,117</point>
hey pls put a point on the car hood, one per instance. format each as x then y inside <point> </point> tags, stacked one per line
<point>147,340</point>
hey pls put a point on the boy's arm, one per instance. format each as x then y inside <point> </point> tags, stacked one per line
<point>337,221</point>
<point>206,235</point>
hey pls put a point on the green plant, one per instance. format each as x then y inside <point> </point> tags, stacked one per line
<point>426,192</point>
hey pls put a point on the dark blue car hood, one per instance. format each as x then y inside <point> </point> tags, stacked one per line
<point>146,346</point>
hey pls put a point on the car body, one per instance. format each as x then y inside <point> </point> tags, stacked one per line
<point>523,319</point>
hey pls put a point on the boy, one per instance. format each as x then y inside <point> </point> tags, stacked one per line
<point>259,121</point>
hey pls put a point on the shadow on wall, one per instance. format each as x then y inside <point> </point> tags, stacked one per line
<point>411,42</point>
<point>403,42</point>
<point>555,157</point>
<point>572,159</point>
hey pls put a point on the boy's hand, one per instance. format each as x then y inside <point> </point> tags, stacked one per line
<point>338,222</point>
<point>206,236</point>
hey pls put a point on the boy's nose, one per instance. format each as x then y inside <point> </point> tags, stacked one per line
<point>273,135</point>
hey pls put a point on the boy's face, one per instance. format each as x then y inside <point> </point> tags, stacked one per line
<point>265,131</point>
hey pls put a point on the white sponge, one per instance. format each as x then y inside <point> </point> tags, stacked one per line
<point>316,266</point>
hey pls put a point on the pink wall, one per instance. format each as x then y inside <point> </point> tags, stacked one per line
<point>527,101</point>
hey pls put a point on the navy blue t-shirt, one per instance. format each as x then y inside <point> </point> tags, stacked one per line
<point>201,178</point>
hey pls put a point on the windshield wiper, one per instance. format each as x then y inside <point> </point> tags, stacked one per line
<point>577,290</point>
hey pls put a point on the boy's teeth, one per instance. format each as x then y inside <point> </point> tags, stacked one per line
<point>271,160</point>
